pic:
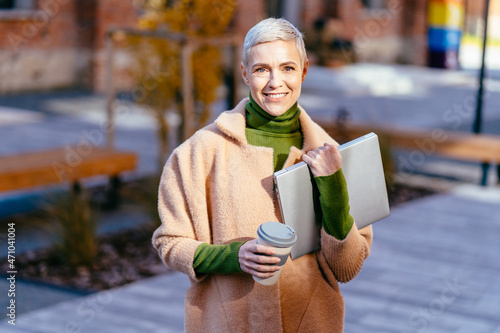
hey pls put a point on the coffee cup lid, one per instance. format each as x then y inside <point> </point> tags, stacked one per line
<point>277,234</point>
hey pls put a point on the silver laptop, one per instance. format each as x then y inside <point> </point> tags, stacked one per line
<point>364,174</point>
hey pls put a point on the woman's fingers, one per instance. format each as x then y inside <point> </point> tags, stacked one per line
<point>261,268</point>
<point>261,274</point>
<point>324,160</point>
<point>258,269</point>
<point>256,259</point>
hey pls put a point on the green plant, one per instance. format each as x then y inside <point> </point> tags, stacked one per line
<point>75,228</point>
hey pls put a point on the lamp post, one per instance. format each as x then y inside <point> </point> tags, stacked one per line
<point>479,105</point>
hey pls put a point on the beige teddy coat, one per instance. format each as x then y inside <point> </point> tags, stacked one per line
<point>216,188</point>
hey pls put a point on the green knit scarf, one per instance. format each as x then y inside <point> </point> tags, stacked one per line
<point>260,120</point>
<point>276,132</point>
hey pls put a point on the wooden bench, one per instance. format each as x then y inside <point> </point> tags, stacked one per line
<point>480,148</point>
<point>64,165</point>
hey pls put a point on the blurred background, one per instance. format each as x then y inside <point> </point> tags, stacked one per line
<point>95,94</point>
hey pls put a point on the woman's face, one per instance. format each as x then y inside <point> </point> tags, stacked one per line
<point>274,75</point>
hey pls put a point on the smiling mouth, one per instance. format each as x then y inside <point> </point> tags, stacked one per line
<point>275,95</point>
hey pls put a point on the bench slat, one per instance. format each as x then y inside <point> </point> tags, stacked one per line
<point>455,145</point>
<point>58,166</point>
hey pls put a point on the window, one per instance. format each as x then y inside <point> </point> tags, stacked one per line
<point>274,8</point>
<point>17,4</point>
<point>374,4</point>
<point>6,4</point>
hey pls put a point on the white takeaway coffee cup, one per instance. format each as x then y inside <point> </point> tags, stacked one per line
<point>281,238</point>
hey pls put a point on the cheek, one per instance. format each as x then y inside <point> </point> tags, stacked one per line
<point>297,81</point>
<point>257,83</point>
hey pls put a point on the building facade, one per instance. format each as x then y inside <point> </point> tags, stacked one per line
<point>50,44</point>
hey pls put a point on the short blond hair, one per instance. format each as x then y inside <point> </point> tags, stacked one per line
<point>271,30</point>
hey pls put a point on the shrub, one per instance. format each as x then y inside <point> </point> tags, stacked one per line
<point>75,228</point>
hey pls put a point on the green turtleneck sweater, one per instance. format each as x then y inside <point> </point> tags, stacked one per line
<point>281,133</point>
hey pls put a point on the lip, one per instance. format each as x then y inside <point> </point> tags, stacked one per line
<point>275,96</point>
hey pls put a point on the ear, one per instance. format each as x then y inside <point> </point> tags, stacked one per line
<point>304,71</point>
<point>244,74</point>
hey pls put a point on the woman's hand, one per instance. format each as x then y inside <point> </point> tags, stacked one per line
<point>324,160</point>
<point>255,259</point>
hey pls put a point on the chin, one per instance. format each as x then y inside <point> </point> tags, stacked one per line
<point>276,111</point>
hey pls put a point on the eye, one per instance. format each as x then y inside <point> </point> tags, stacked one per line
<point>260,70</point>
<point>289,68</point>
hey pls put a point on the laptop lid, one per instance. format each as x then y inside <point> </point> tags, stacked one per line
<point>368,200</point>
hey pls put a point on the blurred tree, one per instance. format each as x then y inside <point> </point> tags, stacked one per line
<point>159,60</point>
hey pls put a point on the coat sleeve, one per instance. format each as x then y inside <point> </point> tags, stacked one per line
<point>345,257</point>
<point>182,206</point>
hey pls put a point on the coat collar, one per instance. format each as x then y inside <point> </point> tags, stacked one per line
<point>232,123</point>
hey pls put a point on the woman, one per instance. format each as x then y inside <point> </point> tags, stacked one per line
<point>217,188</point>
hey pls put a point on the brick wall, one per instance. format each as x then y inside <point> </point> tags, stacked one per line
<point>311,10</point>
<point>51,25</point>
<point>38,48</point>
<point>248,13</point>
<point>62,43</point>
<point>373,32</point>
<point>413,33</point>
<point>111,14</point>
<point>53,45</point>
<point>394,34</point>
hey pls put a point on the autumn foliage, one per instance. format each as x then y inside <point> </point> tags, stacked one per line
<point>161,58</point>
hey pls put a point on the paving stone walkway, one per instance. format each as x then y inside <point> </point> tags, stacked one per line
<point>434,265</point>
<point>434,268</point>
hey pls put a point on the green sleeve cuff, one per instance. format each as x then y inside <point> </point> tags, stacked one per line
<point>334,204</point>
<point>210,258</point>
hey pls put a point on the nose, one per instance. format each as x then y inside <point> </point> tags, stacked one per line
<point>275,80</point>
